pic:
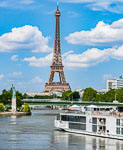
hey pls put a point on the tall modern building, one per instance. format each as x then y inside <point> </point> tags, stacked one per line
<point>115,83</point>
<point>57,66</point>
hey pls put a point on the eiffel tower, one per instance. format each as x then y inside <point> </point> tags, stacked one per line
<point>57,65</point>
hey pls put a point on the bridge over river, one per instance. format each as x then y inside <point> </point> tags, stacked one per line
<point>58,102</point>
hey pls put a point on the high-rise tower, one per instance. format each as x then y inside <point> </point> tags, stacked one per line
<point>57,66</point>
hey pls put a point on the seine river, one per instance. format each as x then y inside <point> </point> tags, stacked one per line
<point>37,132</point>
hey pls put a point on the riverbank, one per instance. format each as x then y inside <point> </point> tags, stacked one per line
<point>7,114</point>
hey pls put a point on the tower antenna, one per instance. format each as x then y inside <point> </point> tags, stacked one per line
<point>57,5</point>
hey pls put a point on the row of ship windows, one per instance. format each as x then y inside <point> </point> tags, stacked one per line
<point>77,126</point>
<point>83,127</point>
<point>81,119</point>
<point>94,128</point>
<point>73,118</point>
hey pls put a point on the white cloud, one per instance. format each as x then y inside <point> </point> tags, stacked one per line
<point>118,53</point>
<point>98,5</point>
<point>15,75</point>
<point>37,80</point>
<point>18,4</point>
<point>1,76</point>
<point>90,57</point>
<point>102,34</point>
<point>14,58</point>
<point>37,62</point>
<point>24,38</point>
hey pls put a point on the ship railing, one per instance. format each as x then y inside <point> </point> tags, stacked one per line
<point>118,114</point>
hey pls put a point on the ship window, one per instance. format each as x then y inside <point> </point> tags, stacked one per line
<point>94,128</point>
<point>77,119</point>
<point>77,126</point>
<point>83,119</point>
<point>117,130</point>
<point>122,131</point>
<point>64,118</point>
<point>94,120</point>
<point>104,128</point>
<point>118,122</point>
<point>58,117</point>
<point>71,118</point>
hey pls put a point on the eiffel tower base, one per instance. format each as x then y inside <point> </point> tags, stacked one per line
<point>56,87</point>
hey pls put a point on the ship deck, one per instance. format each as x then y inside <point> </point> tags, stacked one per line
<point>100,114</point>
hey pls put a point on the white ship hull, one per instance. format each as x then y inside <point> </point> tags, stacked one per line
<point>89,133</point>
<point>94,124</point>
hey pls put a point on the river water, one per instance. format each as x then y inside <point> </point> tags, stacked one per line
<point>37,132</point>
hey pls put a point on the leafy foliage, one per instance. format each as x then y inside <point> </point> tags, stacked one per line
<point>109,96</point>
<point>69,95</point>
<point>6,97</point>
<point>66,95</point>
<point>1,108</point>
<point>74,96</point>
<point>26,108</point>
<point>119,95</point>
<point>99,98</point>
<point>89,94</point>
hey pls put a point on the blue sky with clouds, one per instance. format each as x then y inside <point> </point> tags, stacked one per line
<point>91,42</point>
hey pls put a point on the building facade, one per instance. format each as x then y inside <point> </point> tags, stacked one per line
<point>115,83</point>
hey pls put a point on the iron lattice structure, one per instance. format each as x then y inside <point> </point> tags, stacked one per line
<point>57,65</point>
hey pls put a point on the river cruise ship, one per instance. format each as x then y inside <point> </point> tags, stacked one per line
<point>92,120</point>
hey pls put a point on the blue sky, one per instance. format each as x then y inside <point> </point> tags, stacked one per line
<point>91,42</point>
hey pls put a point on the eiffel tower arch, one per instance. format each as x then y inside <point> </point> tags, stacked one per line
<point>57,65</point>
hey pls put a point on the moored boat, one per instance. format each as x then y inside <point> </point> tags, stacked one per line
<point>102,121</point>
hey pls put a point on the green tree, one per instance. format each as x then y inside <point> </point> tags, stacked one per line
<point>1,108</point>
<point>109,96</point>
<point>5,97</point>
<point>74,95</point>
<point>19,98</point>
<point>119,95</point>
<point>99,98</point>
<point>26,108</point>
<point>66,94</point>
<point>89,94</point>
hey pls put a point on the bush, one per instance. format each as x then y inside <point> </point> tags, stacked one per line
<point>1,108</point>
<point>26,108</point>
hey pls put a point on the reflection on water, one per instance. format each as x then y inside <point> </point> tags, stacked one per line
<point>37,132</point>
<point>73,141</point>
<point>13,119</point>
